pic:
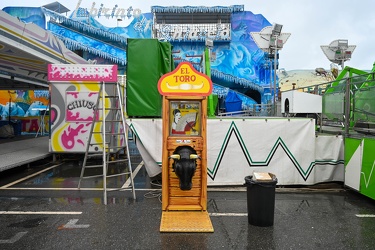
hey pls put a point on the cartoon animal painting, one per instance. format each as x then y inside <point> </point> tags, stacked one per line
<point>34,108</point>
<point>1,108</point>
<point>14,108</point>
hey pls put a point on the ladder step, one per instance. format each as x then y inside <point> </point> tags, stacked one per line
<point>98,143</point>
<point>119,189</point>
<point>115,147</point>
<point>107,133</point>
<point>94,155</point>
<point>108,176</point>
<point>109,120</point>
<point>108,109</point>
<point>94,166</point>
<point>108,162</point>
<point>116,175</point>
<point>91,176</point>
<point>117,161</point>
<point>109,96</point>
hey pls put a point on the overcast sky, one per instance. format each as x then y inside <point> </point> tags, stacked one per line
<point>311,23</point>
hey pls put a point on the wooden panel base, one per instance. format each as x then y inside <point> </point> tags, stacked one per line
<point>184,207</point>
<point>186,221</point>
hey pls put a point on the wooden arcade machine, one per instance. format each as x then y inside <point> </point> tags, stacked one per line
<point>184,157</point>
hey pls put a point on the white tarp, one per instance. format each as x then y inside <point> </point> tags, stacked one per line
<point>285,147</point>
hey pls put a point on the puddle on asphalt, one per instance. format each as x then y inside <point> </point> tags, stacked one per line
<point>67,175</point>
<point>29,223</point>
<point>124,199</point>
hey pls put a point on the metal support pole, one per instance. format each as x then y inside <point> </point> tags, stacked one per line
<point>271,76</point>
<point>274,79</point>
<point>104,146</point>
<point>347,106</point>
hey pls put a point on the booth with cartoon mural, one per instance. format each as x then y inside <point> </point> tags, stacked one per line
<point>74,94</point>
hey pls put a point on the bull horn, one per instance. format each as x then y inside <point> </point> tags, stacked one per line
<point>198,86</point>
<point>185,86</point>
<point>175,157</point>
<point>194,156</point>
<point>172,87</point>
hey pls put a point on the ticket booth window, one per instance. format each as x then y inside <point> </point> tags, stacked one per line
<point>184,118</point>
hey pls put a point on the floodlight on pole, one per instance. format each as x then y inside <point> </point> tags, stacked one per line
<point>277,43</point>
<point>338,51</point>
<point>270,39</point>
<point>276,29</point>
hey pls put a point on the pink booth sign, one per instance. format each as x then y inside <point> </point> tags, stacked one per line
<point>75,90</point>
<point>82,72</point>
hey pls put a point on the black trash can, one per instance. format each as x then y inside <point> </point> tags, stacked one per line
<point>260,201</point>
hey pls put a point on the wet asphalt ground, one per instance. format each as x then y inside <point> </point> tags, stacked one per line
<point>42,209</point>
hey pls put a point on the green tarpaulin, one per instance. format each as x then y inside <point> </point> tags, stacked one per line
<point>147,61</point>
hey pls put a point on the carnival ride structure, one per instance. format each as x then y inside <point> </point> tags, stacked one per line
<point>348,110</point>
<point>238,66</point>
<point>350,101</point>
<point>351,96</point>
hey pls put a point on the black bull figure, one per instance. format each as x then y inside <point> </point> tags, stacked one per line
<point>184,165</point>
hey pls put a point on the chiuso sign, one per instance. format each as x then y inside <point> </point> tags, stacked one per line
<point>101,10</point>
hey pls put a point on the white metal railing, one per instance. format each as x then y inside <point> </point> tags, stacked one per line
<point>255,110</point>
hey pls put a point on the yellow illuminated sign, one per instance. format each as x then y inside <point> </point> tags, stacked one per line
<point>185,80</point>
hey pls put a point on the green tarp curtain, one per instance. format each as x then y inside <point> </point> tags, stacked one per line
<point>147,61</point>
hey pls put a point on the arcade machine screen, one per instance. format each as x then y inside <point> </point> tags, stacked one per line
<point>185,118</point>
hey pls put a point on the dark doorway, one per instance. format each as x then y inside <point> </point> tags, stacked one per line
<point>255,95</point>
<point>286,106</point>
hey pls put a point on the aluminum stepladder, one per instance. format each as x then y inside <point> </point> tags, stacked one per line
<point>113,127</point>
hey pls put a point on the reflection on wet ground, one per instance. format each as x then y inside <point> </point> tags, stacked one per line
<point>303,220</point>
<point>66,175</point>
<point>41,208</point>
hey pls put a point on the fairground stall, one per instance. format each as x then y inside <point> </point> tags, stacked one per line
<point>236,145</point>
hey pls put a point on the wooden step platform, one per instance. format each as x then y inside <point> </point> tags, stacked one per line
<point>186,221</point>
